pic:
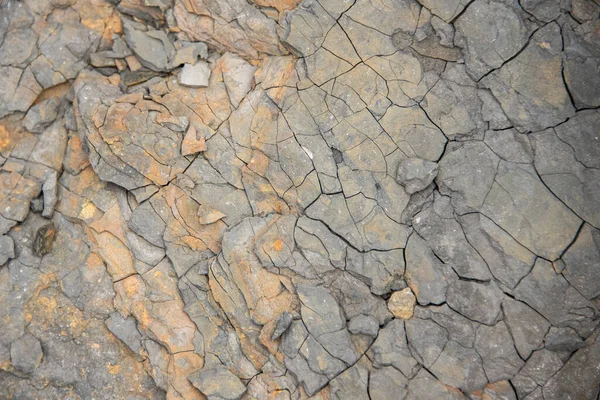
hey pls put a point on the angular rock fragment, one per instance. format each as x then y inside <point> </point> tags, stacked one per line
<point>563,340</point>
<point>153,48</point>
<point>125,330</point>
<point>218,383</point>
<point>283,323</point>
<point>192,142</point>
<point>364,325</point>
<point>416,174</point>
<point>50,191</point>
<point>195,75</point>
<point>41,115</point>
<point>237,76</point>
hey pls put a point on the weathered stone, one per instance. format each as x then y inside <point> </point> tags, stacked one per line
<point>425,274</point>
<point>41,115</point>
<point>477,301</point>
<point>466,174</point>
<point>581,262</point>
<point>153,48</point>
<point>572,181</point>
<point>26,353</point>
<point>527,327</point>
<point>532,97</point>
<point>319,360</point>
<point>7,249</point>
<point>492,32</point>
<point>355,299</point>
<point>192,142</point>
<point>238,76</point>
<point>364,325</point>
<point>416,174</point>
<point>147,223</point>
<point>283,323</point>
<point>386,382</point>
<point>563,340</point>
<point>177,124</point>
<point>460,367</point>
<point>320,312</point>
<point>446,10</point>
<point>453,105</point>
<point>448,240</point>
<point>125,330</point>
<point>195,75</point>
<point>582,56</point>
<point>413,132</point>
<point>218,383</point>
<point>353,382</point>
<point>508,261</point>
<point>576,379</point>
<point>425,386</point>
<point>495,346</point>
<point>537,370</point>
<point>50,191</point>
<point>510,204</point>
<point>402,303</point>
<point>501,390</point>
<point>391,348</point>
<point>551,295</point>
<point>246,232</point>
<point>426,339</point>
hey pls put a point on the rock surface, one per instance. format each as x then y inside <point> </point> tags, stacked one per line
<point>293,199</point>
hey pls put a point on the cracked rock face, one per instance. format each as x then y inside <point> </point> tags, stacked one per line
<point>286,199</point>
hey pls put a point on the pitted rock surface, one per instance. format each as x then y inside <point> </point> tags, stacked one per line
<point>293,199</point>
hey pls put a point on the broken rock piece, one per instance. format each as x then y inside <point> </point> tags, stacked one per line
<point>192,142</point>
<point>195,75</point>
<point>415,174</point>
<point>40,116</point>
<point>218,383</point>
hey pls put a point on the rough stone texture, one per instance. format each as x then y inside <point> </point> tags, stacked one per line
<point>416,174</point>
<point>195,75</point>
<point>26,353</point>
<point>530,87</point>
<point>286,199</point>
<point>402,303</point>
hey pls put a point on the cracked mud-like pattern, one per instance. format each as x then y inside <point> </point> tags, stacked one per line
<point>285,199</point>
